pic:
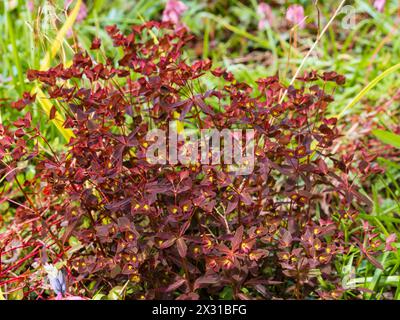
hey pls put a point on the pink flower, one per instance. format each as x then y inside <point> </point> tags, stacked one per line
<point>265,14</point>
<point>173,11</point>
<point>295,15</point>
<point>379,5</point>
<point>389,240</point>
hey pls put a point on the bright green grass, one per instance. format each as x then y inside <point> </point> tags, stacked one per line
<point>227,32</point>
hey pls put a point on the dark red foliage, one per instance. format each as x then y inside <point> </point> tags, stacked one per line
<point>176,230</point>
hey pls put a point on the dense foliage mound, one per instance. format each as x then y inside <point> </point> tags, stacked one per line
<point>109,218</point>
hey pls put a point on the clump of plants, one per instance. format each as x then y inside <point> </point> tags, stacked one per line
<point>110,219</point>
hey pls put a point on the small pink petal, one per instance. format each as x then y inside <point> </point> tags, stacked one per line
<point>379,5</point>
<point>173,11</point>
<point>365,225</point>
<point>265,14</point>
<point>295,15</point>
<point>82,14</point>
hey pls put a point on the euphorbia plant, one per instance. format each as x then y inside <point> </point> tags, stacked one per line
<point>173,230</point>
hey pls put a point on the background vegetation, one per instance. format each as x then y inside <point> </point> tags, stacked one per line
<point>37,34</point>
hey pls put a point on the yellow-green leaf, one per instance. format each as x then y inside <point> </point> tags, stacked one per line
<point>61,36</point>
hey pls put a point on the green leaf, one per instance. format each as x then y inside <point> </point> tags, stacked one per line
<point>116,293</point>
<point>388,137</point>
